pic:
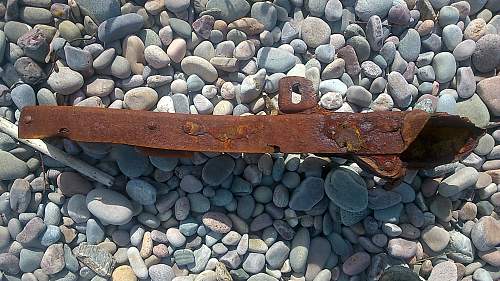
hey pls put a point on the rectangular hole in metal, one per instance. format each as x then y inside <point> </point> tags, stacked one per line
<point>296,94</point>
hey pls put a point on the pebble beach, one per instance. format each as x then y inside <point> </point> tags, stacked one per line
<point>255,217</point>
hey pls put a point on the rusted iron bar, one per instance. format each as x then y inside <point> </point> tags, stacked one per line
<point>384,142</point>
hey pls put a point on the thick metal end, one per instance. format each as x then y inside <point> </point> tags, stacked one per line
<point>443,139</point>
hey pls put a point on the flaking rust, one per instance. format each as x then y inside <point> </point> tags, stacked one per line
<point>386,143</point>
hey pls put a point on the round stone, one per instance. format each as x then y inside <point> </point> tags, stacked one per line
<point>217,169</point>
<point>199,66</point>
<point>275,60</point>
<point>109,206</point>
<point>346,189</point>
<point>436,238</point>
<point>140,98</point>
<point>409,45</point>
<point>356,263</point>
<point>141,191</point>
<point>444,66</point>
<point>123,273</point>
<point>11,167</point>
<point>65,81</point>
<point>485,56</point>
<point>314,31</point>
<point>364,9</point>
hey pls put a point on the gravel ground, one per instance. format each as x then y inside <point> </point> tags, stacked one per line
<point>264,217</point>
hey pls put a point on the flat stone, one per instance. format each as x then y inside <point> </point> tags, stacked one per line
<point>464,50</point>
<point>401,248</point>
<point>97,259</point>
<point>261,277</point>
<point>137,263</point>
<point>444,66</point>
<point>277,254</point>
<point>409,45</point>
<point>217,169</point>
<point>124,273</point>
<point>341,185</point>
<point>314,31</point>
<point>31,231</point>
<point>29,71</point>
<point>201,257</point>
<point>436,238</point>
<point>254,263</point>
<point>275,60</point>
<point>445,271</point>
<point>307,194</point>
<point>183,257</point>
<point>53,259</point>
<point>399,90</point>
<point>356,263</point>
<point>78,59</point>
<point>20,195</point>
<point>485,90</point>
<point>29,260</point>
<point>366,8</point>
<point>266,13</point>
<point>161,272</point>
<point>177,6</point>
<point>484,57</point>
<point>379,199</point>
<point>461,248</point>
<point>100,10</point>
<point>199,66</point>
<point>475,110</point>
<point>217,222</point>
<point>316,262</point>
<point>459,181</point>
<point>65,81</point>
<point>466,84</point>
<point>11,167</point>
<point>483,233</point>
<point>120,26</point>
<point>250,26</point>
<point>141,98</point>
<point>230,10</point>
<point>141,191</point>
<point>9,263</point>
<point>109,206</point>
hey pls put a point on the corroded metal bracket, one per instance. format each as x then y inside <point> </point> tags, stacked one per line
<point>386,143</point>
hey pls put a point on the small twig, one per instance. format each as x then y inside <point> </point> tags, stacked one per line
<point>45,181</point>
<point>431,258</point>
<point>58,155</point>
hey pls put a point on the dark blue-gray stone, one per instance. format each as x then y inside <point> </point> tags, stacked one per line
<point>217,169</point>
<point>131,162</point>
<point>390,214</point>
<point>118,27</point>
<point>166,164</point>
<point>230,10</point>
<point>141,191</point>
<point>23,95</point>
<point>310,191</point>
<point>265,13</point>
<point>52,235</point>
<point>346,189</point>
<point>409,45</point>
<point>275,60</point>
<point>29,260</point>
<point>99,10</point>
